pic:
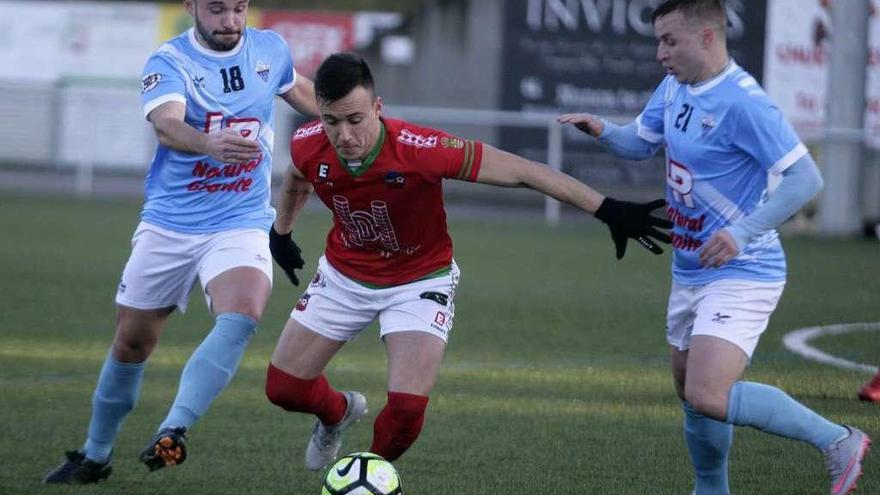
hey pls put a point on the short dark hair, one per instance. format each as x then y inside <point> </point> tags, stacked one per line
<point>339,74</point>
<point>707,10</point>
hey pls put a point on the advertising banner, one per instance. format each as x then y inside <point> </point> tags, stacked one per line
<point>312,36</point>
<point>597,56</point>
<point>798,47</point>
<point>46,41</point>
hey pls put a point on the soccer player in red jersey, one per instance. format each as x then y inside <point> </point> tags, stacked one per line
<point>389,254</point>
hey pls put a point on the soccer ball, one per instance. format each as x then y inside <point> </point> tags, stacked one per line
<point>362,473</point>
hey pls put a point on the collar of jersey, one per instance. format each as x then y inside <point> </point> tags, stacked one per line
<point>371,157</point>
<point>715,81</point>
<point>191,35</point>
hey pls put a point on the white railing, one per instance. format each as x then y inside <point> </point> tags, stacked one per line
<point>497,118</point>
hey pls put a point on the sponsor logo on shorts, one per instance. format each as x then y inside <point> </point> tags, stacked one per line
<point>437,297</point>
<point>442,322</point>
<point>318,280</point>
<point>720,318</point>
<point>261,258</point>
<point>303,302</point>
<point>121,288</point>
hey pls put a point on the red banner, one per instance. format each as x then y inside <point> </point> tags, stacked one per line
<point>311,36</point>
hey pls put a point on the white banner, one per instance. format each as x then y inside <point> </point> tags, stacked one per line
<point>47,41</point>
<point>796,63</point>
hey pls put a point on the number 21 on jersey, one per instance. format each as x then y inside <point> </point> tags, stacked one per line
<point>681,181</point>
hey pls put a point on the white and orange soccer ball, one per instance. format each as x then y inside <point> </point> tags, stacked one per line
<point>361,473</point>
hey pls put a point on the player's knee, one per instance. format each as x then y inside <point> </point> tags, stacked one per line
<point>276,392</point>
<point>287,391</point>
<point>132,350</point>
<point>706,401</point>
<point>252,311</point>
<point>679,389</point>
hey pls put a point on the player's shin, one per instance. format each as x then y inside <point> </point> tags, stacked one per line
<point>708,442</point>
<point>210,368</point>
<point>313,395</point>
<point>773,411</point>
<point>115,396</point>
<point>398,425</point>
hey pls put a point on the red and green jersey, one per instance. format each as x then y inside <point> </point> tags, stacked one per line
<point>389,225</point>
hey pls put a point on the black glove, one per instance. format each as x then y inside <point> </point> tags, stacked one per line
<point>286,253</point>
<point>626,219</point>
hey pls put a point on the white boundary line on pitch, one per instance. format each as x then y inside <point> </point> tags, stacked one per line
<point>797,342</point>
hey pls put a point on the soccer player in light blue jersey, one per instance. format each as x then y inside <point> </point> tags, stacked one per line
<point>209,93</point>
<point>735,170</point>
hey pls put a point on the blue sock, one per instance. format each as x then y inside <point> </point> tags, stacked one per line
<point>773,411</point>
<point>116,393</point>
<point>210,368</point>
<point>708,442</point>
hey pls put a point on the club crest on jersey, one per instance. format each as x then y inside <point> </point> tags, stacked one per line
<point>708,124</point>
<point>448,142</point>
<point>323,172</point>
<point>150,82</point>
<point>263,70</point>
<point>395,179</point>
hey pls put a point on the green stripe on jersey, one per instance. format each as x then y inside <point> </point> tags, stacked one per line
<point>439,273</point>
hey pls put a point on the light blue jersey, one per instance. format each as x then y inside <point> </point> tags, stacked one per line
<point>726,146</point>
<point>235,89</point>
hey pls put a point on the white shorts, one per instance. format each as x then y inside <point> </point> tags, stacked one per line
<point>737,311</point>
<point>338,308</point>
<point>164,264</point>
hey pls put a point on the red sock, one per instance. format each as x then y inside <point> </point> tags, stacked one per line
<point>314,395</point>
<point>398,425</point>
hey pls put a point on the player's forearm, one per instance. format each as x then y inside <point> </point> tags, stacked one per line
<point>295,192</point>
<point>624,141</point>
<point>302,97</point>
<point>501,168</point>
<point>800,183</point>
<point>563,187</point>
<point>180,136</point>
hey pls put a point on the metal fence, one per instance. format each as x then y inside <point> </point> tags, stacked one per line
<point>87,127</point>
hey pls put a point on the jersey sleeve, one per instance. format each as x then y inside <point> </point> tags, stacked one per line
<point>446,156</point>
<point>161,83</point>
<point>649,123</point>
<point>288,71</point>
<point>302,142</point>
<point>764,134</point>
<point>463,158</point>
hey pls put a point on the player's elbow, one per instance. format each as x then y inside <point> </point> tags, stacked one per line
<point>164,138</point>
<point>163,133</point>
<point>818,184</point>
<point>815,182</point>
